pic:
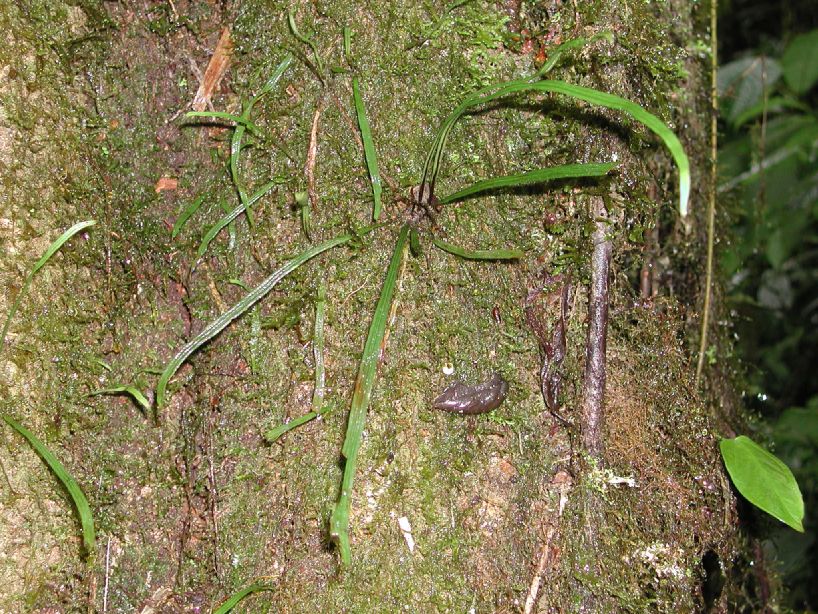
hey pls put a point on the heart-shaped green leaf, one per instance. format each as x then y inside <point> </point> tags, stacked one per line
<point>763,480</point>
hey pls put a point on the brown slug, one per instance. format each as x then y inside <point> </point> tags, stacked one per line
<point>462,399</point>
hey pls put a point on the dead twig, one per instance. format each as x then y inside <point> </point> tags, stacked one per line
<point>549,553</point>
<point>312,152</point>
<point>107,576</point>
<point>593,386</point>
<point>544,563</point>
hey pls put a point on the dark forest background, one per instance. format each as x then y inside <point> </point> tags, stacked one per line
<point>768,164</point>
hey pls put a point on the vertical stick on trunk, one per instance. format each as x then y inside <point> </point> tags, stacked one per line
<point>595,369</point>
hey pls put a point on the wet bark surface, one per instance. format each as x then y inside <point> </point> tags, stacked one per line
<point>196,504</point>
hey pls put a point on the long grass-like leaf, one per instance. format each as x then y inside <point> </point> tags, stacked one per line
<point>235,152</point>
<point>186,215</point>
<point>52,249</point>
<point>236,597</point>
<point>305,40</point>
<point>255,327</point>
<point>368,369</point>
<point>77,496</point>
<point>231,227</point>
<point>134,392</point>
<point>273,434</point>
<point>238,134</point>
<point>318,347</point>
<point>219,324</point>
<point>414,243</point>
<point>610,101</point>
<point>302,201</point>
<point>369,149</point>
<point>555,54</point>
<point>538,176</point>
<point>271,83</point>
<point>229,217</point>
<point>479,254</point>
<point>348,44</point>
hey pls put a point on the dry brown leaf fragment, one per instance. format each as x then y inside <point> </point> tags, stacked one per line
<point>166,183</point>
<point>214,72</point>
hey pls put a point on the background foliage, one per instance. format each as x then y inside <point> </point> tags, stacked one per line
<point>769,185</point>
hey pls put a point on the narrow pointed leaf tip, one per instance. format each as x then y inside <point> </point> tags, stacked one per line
<point>763,480</point>
<point>52,249</point>
<point>77,496</point>
<point>236,597</point>
<point>369,149</point>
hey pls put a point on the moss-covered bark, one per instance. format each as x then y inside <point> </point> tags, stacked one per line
<point>192,508</point>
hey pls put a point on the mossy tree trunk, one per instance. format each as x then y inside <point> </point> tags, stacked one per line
<point>521,509</point>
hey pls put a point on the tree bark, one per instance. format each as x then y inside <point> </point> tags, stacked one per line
<point>607,501</point>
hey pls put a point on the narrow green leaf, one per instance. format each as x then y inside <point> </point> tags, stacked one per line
<point>224,221</point>
<point>763,480</point>
<point>101,363</point>
<point>273,434</point>
<point>77,496</point>
<point>318,347</point>
<point>219,324</point>
<point>305,40</point>
<point>537,176</point>
<point>348,44</point>
<point>368,369</point>
<point>495,92</point>
<point>480,254</point>
<point>235,152</point>
<point>238,135</point>
<point>304,209</point>
<point>235,598</point>
<point>555,54</point>
<point>134,392</point>
<point>186,215</point>
<point>58,243</point>
<point>271,83</point>
<point>414,243</point>
<point>50,251</point>
<point>369,149</point>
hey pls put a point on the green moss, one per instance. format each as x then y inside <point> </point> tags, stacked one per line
<point>466,484</point>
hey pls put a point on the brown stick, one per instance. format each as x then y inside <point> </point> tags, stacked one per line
<point>312,153</point>
<point>595,369</point>
<point>544,563</point>
<point>549,554</point>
